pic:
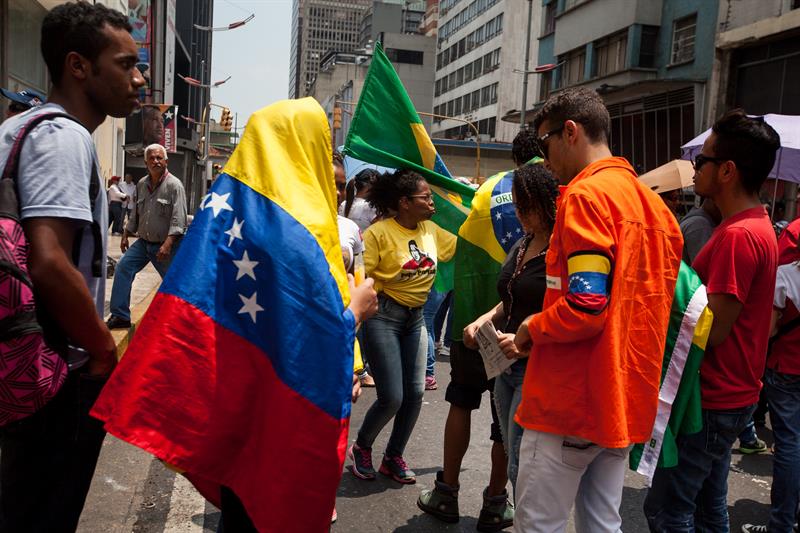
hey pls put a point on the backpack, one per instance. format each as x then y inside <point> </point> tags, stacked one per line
<point>33,366</point>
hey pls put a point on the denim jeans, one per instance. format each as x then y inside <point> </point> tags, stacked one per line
<point>693,495</point>
<point>117,213</point>
<point>397,344</point>
<point>48,460</point>
<point>783,395</point>
<point>133,260</point>
<point>429,312</point>
<point>507,395</point>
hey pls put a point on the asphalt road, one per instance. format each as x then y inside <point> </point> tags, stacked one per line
<point>131,492</point>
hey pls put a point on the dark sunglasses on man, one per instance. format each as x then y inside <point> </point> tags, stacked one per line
<point>701,160</point>
<point>541,140</point>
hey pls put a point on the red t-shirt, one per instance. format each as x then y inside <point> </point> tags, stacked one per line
<point>789,243</point>
<point>784,356</point>
<point>740,259</point>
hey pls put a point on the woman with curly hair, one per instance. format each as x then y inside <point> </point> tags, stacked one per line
<point>521,287</point>
<point>402,252</point>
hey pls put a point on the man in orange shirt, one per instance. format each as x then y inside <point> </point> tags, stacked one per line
<point>591,387</point>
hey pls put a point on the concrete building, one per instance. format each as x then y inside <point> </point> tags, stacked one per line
<point>651,62</point>
<point>480,45</point>
<point>390,17</point>
<point>319,26</point>
<point>430,22</point>
<point>341,77</point>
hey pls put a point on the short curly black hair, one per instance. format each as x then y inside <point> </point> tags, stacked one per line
<point>77,27</point>
<point>389,187</point>
<point>536,190</point>
<point>581,105</point>
<point>525,147</point>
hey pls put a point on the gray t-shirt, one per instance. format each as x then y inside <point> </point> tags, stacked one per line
<point>55,170</point>
<point>697,227</point>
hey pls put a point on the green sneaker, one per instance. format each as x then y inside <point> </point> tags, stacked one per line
<point>441,502</point>
<point>759,446</point>
<point>497,513</point>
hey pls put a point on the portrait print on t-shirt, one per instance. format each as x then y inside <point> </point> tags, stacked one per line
<point>419,264</point>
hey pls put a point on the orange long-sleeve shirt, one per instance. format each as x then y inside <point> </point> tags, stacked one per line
<point>598,343</point>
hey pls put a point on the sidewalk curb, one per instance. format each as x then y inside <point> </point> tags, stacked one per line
<point>122,337</point>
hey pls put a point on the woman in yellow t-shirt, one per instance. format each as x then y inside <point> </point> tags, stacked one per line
<point>401,253</point>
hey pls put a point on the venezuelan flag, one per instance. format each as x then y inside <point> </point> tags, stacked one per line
<point>241,371</point>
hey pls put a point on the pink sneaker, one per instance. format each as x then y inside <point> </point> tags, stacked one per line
<point>430,383</point>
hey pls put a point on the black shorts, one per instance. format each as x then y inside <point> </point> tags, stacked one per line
<point>468,383</point>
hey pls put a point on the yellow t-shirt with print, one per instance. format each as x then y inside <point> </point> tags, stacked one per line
<point>402,261</point>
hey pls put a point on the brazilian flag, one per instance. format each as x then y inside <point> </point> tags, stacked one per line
<point>386,130</point>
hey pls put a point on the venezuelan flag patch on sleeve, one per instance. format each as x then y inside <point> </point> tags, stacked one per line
<point>588,281</point>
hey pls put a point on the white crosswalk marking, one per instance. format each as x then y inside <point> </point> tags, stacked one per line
<point>186,508</point>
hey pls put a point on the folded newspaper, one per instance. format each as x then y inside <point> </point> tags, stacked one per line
<point>494,360</point>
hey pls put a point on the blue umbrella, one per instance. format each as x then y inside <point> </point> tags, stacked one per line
<point>353,166</point>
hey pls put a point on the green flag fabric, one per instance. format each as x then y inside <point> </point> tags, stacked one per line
<point>386,130</point>
<point>679,402</point>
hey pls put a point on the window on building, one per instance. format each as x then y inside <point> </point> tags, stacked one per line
<point>476,67</point>
<point>467,102</point>
<point>574,67</point>
<point>457,106</point>
<point>683,34</point>
<point>550,11</point>
<point>647,48</point>
<point>610,54</point>
<point>476,99</point>
<point>545,86</point>
<point>467,72</point>
<point>450,105</point>
<point>408,57</point>
<point>493,93</point>
<point>486,96</point>
<point>569,4</point>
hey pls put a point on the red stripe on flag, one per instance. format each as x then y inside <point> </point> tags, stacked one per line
<point>200,397</point>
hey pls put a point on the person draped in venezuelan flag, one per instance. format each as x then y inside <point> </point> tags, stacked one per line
<point>237,364</point>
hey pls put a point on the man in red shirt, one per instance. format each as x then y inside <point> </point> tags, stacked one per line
<point>738,266</point>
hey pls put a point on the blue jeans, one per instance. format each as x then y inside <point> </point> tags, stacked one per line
<point>117,213</point>
<point>397,344</point>
<point>693,495</point>
<point>429,312</point>
<point>133,260</point>
<point>507,395</point>
<point>783,395</point>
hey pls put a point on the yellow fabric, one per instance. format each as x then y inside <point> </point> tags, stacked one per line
<point>402,271</point>
<point>588,263</point>
<point>425,145</point>
<point>358,361</point>
<point>292,138</point>
<point>477,229</point>
<point>703,328</point>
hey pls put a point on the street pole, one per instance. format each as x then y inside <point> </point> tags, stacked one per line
<point>522,123</point>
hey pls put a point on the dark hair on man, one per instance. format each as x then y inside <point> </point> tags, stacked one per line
<point>338,158</point>
<point>750,143</point>
<point>389,187</point>
<point>361,181</point>
<point>77,27</point>
<point>535,191</point>
<point>581,105</point>
<point>524,148</point>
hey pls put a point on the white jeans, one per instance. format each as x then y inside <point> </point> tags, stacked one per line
<point>555,471</point>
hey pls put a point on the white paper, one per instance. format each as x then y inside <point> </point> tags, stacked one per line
<point>494,361</point>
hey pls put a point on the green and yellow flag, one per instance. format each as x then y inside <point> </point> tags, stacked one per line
<point>679,402</point>
<point>386,130</point>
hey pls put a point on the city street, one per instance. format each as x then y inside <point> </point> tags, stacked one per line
<point>133,493</point>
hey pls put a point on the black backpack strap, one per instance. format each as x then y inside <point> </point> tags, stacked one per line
<point>11,172</point>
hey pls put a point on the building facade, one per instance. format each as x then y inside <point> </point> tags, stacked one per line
<point>651,62</point>
<point>481,45</point>
<point>319,26</point>
<point>429,25</point>
<point>390,17</point>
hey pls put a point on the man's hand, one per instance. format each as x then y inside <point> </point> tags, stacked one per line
<point>469,334</point>
<point>363,299</point>
<point>102,365</point>
<point>165,251</point>
<point>510,350</point>
<point>356,388</point>
<point>123,242</point>
<point>522,340</point>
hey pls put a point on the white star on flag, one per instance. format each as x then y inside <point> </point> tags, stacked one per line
<point>245,266</point>
<point>508,235</point>
<point>203,201</point>
<point>503,241</point>
<point>518,230</point>
<point>498,216</point>
<point>219,202</point>
<point>250,306</point>
<point>168,115</point>
<point>236,230</point>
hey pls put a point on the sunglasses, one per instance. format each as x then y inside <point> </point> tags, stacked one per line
<point>427,197</point>
<point>701,160</point>
<point>541,140</point>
